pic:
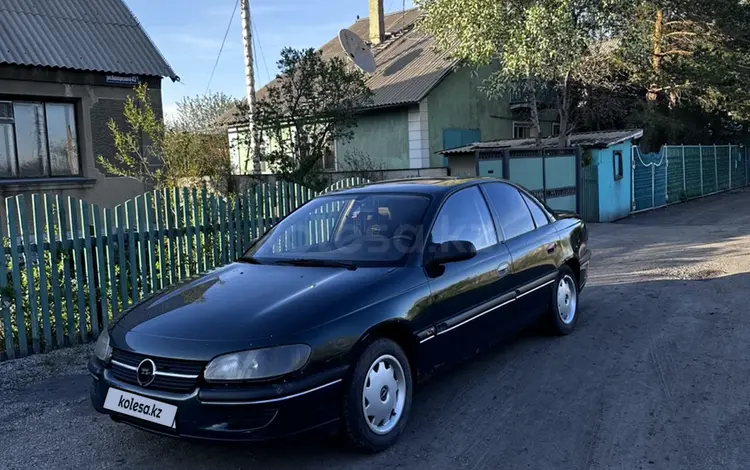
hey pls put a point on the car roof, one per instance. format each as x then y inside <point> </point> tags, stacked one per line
<point>422,185</point>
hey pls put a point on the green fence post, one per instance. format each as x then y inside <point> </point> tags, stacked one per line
<point>244,234</point>
<point>28,254</point>
<point>42,266</point>
<point>171,234</point>
<point>142,246</point>
<point>88,244</point>
<point>101,264</point>
<point>214,207</point>
<point>159,197</point>
<point>251,213</point>
<point>263,199</point>
<point>49,208</point>
<point>124,267</point>
<point>189,228</point>
<point>10,349</point>
<point>111,260</point>
<point>223,229</point>
<point>66,247</point>
<point>75,226</point>
<point>132,247</point>
<point>200,263</point>
<point>232,211</point>
<point>204,229</point>
<point>179,226</point>
<point>151,242</point>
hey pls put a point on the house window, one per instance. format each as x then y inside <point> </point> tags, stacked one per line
<point>522,130</point>
<point>329,159</point>
<point>555,129</point>
<point>37,139</point>
<point>617,155</point>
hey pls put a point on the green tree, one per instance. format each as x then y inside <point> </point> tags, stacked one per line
<point>311,103</point>
<point>689,59</point>
<point>200,112</point>
<point>168,156</point>
<point>537,45</point>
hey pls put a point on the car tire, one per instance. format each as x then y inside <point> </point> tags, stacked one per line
<point>381,380</point>
<point>563,314</point>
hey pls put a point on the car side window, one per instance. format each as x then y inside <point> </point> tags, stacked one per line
<point>540,218</point>
<point>465,216</point>
<point>513,214</point>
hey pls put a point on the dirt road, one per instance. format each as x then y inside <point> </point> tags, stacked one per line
<point>656,376</point>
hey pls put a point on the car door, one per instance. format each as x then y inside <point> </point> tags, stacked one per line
<point>534,245</point>
<point>466,296</point>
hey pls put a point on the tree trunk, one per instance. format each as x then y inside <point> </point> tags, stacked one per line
<point>564,112</point>
<point>656,57</point>
<point>531,90</point>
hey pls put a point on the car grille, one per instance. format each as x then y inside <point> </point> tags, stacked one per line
<point>161,382</point>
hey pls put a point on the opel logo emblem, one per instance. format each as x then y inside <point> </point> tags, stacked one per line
<point>146,372</point>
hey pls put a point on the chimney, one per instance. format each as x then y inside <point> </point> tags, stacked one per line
<point>377,22</point>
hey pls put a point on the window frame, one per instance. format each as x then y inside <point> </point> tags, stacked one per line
<point>618,165</point>
<point>496,217</point>
<point>43,100</point>
<point>529,199</point>
<point>555,125</point>
<point>493,221</point>
<point>522,124</point>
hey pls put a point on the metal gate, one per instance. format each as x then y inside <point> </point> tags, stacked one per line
<point>679,173</point>
<point>553,175</point>
<point>649,183</point>
<point>590,193</point>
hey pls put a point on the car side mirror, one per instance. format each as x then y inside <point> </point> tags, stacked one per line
<point>452,252</point>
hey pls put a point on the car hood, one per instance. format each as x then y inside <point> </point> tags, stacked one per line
<point>242,302</point>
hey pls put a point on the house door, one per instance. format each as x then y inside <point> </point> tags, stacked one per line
<point>453,138</point>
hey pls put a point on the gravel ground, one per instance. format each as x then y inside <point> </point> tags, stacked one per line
<point>656,376</point>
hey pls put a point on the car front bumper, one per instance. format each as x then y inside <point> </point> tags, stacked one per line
<point>252,413</point>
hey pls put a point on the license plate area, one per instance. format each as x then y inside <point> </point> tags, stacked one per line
<point>143,408</point>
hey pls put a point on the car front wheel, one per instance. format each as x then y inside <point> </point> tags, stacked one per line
<point>377,397</point>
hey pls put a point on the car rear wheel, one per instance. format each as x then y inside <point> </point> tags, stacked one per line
<point>564,309</point>
<point>377,397</point>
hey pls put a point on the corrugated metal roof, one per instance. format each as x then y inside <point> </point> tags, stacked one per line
<point>408,66</point>
<point>584,139</point>
<point>90,35</point>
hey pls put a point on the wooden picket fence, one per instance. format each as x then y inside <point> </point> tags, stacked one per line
<point>71,266</point>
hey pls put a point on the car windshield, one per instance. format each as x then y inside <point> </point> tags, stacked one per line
<point>373,229</point>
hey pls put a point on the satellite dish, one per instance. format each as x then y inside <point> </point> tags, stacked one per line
<point>357,50</point>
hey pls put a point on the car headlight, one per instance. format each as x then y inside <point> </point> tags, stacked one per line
<point>102,350</point>
<point>258,363</point>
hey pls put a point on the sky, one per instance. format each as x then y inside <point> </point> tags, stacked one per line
<point>189,34</point>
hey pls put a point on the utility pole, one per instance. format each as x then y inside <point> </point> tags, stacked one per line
<point>247,40</point>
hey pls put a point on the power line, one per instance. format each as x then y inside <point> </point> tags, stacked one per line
<point>262,55</point>
<point>223,41</point>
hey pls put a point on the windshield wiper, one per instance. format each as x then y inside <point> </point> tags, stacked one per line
<point>248,259</point>
<point>318,263</point>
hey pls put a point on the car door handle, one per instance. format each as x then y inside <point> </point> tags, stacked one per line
<point>502,270</point>
<point>551,248</point>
